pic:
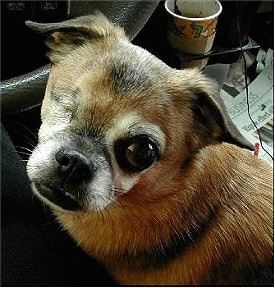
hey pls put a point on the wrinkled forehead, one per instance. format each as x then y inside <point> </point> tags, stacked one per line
<point>99,86</point>
<point>122,68</point>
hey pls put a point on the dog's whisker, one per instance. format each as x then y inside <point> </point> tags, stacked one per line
<point>30,137</point>
<point>23,154</point>
<point>24,149</point>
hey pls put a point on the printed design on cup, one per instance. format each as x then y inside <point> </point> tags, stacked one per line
<point>197,30</point>
<point>193,29</point>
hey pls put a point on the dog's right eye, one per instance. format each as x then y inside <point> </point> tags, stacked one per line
<point>136,154</point>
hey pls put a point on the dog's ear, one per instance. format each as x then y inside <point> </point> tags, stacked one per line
<point>211,121</point>
<point>65,36</point>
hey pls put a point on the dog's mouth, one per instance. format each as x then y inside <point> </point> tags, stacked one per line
<point>58,197</point>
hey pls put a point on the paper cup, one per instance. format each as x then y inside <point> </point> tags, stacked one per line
<point>192,24</point>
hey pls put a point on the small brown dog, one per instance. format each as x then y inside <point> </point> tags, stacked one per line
<point>142,167</point>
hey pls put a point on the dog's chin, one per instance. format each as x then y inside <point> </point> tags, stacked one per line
<point>57,199</point>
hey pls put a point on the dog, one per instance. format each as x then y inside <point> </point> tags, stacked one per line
<point>142,166</point>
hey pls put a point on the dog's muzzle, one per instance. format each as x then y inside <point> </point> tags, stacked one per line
<point>72,171</point>
<point>73,176</point>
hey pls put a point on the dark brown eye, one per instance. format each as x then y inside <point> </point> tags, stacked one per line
<point>136,154</point>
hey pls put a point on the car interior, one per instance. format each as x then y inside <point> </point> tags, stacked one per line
<point>34,251</point>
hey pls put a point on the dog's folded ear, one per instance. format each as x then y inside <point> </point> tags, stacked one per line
<point>211,121</point>
<point>62,37</point>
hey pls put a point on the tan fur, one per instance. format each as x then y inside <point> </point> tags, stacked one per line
<point>210,200</point>
<point>242,228</point>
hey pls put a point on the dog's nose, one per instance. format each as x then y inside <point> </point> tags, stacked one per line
<point>73,167</point>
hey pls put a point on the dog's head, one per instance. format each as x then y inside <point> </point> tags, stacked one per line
<point>115,119</point>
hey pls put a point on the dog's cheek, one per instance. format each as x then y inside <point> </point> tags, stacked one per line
<point>55,118</point>
<point>40,158</point>
<point>100,192</point>
<point>123,183</point>
<point>47,131</point>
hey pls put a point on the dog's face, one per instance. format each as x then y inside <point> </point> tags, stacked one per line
<point>116,120</point>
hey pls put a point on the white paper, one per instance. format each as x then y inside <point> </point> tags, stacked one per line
<point>261,107</point>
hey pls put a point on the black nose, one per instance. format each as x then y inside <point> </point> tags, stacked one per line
<point>73,167</point>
